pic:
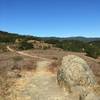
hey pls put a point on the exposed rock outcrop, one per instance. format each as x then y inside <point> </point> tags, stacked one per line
<point>75,76</point>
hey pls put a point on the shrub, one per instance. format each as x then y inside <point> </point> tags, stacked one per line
<point>92,51</point>
<point>46,47</point>
<point>71,45</point>
<point>24,45</point>
<point>3,48</point>
<point>16,60</point>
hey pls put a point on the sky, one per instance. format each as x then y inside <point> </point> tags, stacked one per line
<point>45,18</point>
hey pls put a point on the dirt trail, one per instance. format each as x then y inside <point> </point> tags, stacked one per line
<point>39,85</point>
<point>25,54</point>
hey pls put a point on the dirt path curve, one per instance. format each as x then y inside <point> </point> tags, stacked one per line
<point>28,55</point>
<point>39,85</point>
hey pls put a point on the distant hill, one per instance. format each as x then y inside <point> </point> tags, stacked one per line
<point>21,42</point>
<point>5,36</point>
<point>84,39</point>
<point>76,44</point>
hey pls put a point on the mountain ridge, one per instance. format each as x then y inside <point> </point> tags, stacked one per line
<point>80,38</point>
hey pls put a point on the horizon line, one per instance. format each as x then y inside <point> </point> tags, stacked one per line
<point>31,34</point>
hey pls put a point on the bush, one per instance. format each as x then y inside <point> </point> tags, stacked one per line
<point>71,45</point>
<point>24,45</point>
<point>3,48</point>
<point>92,51</point>
<point>16,60</point>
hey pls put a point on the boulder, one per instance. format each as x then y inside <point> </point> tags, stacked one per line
<point>74,75</point>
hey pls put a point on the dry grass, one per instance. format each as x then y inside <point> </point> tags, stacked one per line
<point>57,55</point>
<point>12,64</point>
<point>53,67</point>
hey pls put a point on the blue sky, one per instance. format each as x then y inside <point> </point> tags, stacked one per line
<point>62,18</point>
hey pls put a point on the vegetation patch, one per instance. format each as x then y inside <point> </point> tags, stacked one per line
<point>24,45</point>
<point>92,51</point>
<point>91,46</point>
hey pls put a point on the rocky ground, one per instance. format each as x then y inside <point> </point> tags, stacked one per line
<point>25,78</point>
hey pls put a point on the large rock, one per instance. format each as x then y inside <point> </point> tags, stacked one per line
<point>74,75</point>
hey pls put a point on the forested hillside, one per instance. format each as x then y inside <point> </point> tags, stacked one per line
<point>6,37</point>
